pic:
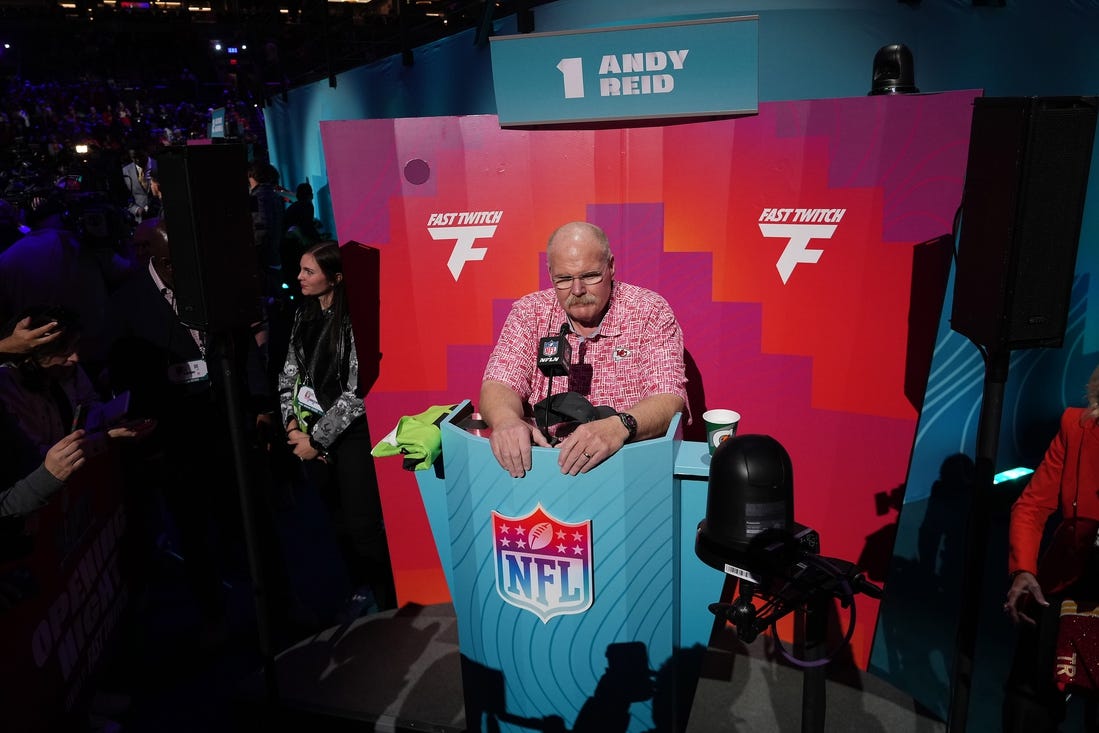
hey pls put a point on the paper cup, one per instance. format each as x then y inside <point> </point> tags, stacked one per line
<point>720,426</point>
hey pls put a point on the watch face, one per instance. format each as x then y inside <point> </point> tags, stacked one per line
<point>629,421</point>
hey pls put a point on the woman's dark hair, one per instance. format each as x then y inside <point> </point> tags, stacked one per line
<point>304,192</point>
<point>264,172</point>
<point>327,255</point>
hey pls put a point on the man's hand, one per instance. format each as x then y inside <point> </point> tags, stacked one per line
<point>511,440</point>
<point>133,429</point>
<point>1023,587</point>
<point>66,456</point>
<point>591,444</point>
<point>24,338</point>
<point>511,435</point>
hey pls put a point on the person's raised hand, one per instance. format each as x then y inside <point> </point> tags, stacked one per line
<point>24,338</point>
<point>66,456</point>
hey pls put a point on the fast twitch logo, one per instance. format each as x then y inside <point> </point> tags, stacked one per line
<point>465,228</point>
<point>543,565</point>
<point>799,227</point>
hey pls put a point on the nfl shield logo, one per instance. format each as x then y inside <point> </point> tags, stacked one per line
<point>543,565</point>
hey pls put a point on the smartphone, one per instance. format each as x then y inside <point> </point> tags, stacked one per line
<point>106,416</point>
<point>80,417</point>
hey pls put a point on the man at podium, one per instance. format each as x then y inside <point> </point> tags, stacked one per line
<point>626,354</point>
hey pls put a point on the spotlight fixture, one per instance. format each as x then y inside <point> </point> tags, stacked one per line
<point>894,71</point>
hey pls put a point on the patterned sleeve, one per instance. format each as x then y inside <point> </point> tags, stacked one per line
<point>347,408</point>
<point>514,359</point>
<point>664,370</point>
<point>287,377</point>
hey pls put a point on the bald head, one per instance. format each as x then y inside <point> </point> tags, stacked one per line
<point>579,233</point>
<point>159,253</point>
<point>581,267</point>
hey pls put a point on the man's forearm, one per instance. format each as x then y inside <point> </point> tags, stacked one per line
<point>654,414</point>
<point>499,403</point>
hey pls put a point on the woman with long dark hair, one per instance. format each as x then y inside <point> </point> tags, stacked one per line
<point>322,409</point>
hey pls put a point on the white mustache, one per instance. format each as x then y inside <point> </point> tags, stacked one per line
<point>585,299</point>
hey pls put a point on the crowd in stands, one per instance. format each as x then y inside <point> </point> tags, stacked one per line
<point>41,125</point>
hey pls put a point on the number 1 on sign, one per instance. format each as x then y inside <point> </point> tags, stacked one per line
<point>572,71</point>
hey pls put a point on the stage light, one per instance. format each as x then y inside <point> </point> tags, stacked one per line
<point>894,71</point>
<point>1011,474</point>
<point>81,149</point>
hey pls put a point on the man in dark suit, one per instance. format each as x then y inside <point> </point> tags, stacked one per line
<point>164,365</point>
<point>138,175</point>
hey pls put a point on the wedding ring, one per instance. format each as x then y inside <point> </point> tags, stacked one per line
<point>587,455</point>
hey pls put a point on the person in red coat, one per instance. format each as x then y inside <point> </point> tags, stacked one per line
<point>1067,479</point>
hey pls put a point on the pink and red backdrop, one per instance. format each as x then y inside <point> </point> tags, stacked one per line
<point>831,362</point>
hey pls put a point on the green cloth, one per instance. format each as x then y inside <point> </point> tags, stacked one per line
<point>416,437</point>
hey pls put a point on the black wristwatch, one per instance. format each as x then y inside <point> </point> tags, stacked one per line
<point>631,424</point>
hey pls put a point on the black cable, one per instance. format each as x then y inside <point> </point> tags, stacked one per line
<point>848,600</point>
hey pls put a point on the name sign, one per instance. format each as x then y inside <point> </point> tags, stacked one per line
<point>217,122</point>
<point>685,69</point>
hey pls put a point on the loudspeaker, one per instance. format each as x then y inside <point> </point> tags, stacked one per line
<point>1022,205</point>
<point>362,277</point>
<point>207,211</point>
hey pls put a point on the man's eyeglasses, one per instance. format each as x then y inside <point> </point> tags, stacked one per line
<point>564,282</point>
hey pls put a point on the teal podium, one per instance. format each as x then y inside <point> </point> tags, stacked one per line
<point>564,587</point>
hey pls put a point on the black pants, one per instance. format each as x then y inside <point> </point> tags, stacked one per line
<point>348,484</point>
<point>1032,702</point>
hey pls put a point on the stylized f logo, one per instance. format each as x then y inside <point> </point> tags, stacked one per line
<point>464,251</point>
<point>797,249</point>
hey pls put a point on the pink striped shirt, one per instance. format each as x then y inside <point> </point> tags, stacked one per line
<point>636,353</point>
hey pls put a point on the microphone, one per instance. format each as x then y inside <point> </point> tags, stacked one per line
<point>555,353</point>
<point>554,358</point>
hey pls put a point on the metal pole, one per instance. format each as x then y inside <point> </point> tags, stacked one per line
<point>814,623</point>
<point>221,344</point>
<point>988,436</point>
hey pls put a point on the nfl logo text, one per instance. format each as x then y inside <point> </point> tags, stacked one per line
<point>543,565</point>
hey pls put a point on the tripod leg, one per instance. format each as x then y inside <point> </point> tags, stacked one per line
<point>814,623</point>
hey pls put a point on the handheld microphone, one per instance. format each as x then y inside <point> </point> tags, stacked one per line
<point>555,353</point>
